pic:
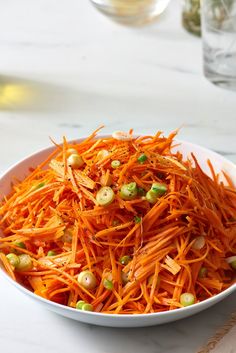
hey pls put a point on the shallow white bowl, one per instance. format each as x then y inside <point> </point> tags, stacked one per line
<point>21,169</point>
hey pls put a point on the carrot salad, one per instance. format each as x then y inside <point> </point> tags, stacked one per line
<point>120,225</point>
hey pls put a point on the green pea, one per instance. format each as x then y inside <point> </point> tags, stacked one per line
<point>87,307</point>
<point>124,260</point>
<point>79,304</point>
<point>13,259</point>
<point>202,272</point>
<point>142,158</point>
<point>187,299</point>
<point>108,284</point>
<point>115,164</point>
<point>51,253</point>
<point>158,189</point>
<point>105,196</point>
<point>128,191</point>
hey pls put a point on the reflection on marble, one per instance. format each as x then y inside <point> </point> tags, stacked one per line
<point>67,70</point>
<point>18,94</point>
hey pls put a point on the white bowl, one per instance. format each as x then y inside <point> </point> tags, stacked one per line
<point>21,169</point>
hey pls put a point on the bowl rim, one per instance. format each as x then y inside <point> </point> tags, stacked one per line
<point>199,305</point>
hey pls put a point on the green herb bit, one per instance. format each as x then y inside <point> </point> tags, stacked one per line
<point>82,305</point>
<point>108,284</point>
<point>20,244</point>
<point>137,219</point>
<point>151,197</point>
<point>158,189</point>
<point>142,158</point>
<point>131,186</point>
<point>128,191</point>
<point>40,185</point>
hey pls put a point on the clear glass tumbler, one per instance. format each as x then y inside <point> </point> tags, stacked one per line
<point>131,12</point>
<point>219,41</point>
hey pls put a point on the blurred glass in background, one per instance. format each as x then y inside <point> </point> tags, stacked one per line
<point>131,12</point>
<point>219,41</point>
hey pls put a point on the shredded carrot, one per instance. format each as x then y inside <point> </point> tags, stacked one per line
<point>55,213</point>
<point>171,265</point>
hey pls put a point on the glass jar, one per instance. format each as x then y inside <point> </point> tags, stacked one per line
<point>219,42</point>
<point>191,17</point>
<point>131,12</point>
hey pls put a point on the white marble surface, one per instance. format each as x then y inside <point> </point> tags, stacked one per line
<point>65,69</point>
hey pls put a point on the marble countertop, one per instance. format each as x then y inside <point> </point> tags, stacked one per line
<point>64,70</point>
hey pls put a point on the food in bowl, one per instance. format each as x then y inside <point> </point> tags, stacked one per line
<point>120,225</point>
